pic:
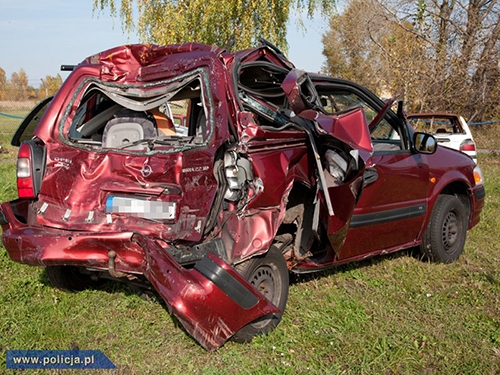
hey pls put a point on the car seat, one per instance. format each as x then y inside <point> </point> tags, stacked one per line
<point>164,124</point>
<point>127,127</point>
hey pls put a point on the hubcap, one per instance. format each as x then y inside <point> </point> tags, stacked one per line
<point>450,231</point>
<point>264,282</point>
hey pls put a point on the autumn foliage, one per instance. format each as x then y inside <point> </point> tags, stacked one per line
<point>17,88</point>
<point>436,55</point>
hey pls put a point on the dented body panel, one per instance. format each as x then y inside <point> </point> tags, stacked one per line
<point>260,163</point>
<point>212,301</point>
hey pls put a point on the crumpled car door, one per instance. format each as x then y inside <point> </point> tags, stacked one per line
<point>212,301</point>
<point>25,130</point>
<point>349,127</point>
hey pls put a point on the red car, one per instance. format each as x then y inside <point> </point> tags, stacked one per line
<point>280,171</point>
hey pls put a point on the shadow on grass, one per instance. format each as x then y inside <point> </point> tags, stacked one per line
<point>146,292</point>
<point>414,252</point>
<point>115,286</point>
<point>106,283</point>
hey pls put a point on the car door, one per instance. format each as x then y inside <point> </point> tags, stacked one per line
<point>25,130</point>
<point>343,134</point>
<point>392,206</point>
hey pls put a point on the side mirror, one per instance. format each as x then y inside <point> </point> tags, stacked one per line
<point>424,143</point>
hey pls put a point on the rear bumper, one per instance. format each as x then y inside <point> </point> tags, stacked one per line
<point>3,219</point>
<point>43,246</point>
<point>211,300</point>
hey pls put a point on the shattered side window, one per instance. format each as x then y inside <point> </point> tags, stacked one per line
<point>141,118</point>
<point>343,101</point>
<point>339,101</point>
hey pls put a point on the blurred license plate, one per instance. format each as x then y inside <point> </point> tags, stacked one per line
<point>149,209</point>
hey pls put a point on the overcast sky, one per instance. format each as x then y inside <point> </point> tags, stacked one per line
<point>40,35</point>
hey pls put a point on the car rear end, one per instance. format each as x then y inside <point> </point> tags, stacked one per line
<point>450,130</point>
<point>76,189</point>
<point>467,145</point>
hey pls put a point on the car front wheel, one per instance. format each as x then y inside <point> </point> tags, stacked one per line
<point>269,275</point>
<point>444,238</point>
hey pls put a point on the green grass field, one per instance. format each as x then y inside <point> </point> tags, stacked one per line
<point>8,125</point>
<point>388,315</point>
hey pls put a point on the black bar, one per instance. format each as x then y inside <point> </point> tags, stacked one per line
<point>388,216</point>
<point>67,68</point>
<point>227,283</point>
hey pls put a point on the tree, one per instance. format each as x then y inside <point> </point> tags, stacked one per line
<point>19,85</point>
<point>49,86</point>
<point>211,22</point>
<point>349,47</point>
<point>441,54</point>
<point>364,46</point>
<point>3,84</point>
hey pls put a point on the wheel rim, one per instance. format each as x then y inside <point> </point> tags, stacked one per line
<point>263,279</point>
<point>450,232</point>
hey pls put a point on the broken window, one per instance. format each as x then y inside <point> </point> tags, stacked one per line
<point>142,118</point>
<point>384,134</point>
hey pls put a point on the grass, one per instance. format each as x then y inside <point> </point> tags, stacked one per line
<point>388,315</point>
<point>486,136</point>
<point>8,125</point>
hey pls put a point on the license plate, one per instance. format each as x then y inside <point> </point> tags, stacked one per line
<point>148,209</point>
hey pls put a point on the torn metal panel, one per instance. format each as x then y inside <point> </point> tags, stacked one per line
<point>212,301</point>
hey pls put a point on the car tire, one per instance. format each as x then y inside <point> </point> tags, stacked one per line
<point>70,279</point>
<point>269,274</point>
<point>444,238</point>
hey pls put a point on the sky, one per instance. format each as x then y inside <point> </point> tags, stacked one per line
<point>41,35</point>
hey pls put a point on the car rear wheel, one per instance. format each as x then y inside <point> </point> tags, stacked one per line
<point>70,279</point>
<point>269,274</point>
<point>444,237</point>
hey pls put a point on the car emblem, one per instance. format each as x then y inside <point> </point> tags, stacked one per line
<point>146,171</point>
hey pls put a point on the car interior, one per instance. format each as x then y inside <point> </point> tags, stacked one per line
<point>109,119</point>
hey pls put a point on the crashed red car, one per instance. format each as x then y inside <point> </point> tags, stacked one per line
<point>279,171</point>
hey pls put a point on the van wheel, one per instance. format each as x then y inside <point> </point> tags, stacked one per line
<point>269,275</point>
<point>444,238</point>
<point>70,279</point>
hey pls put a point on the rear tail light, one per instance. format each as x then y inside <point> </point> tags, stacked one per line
<point>468,145</point>
<point>25,184</point>
<point>29,162</point>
